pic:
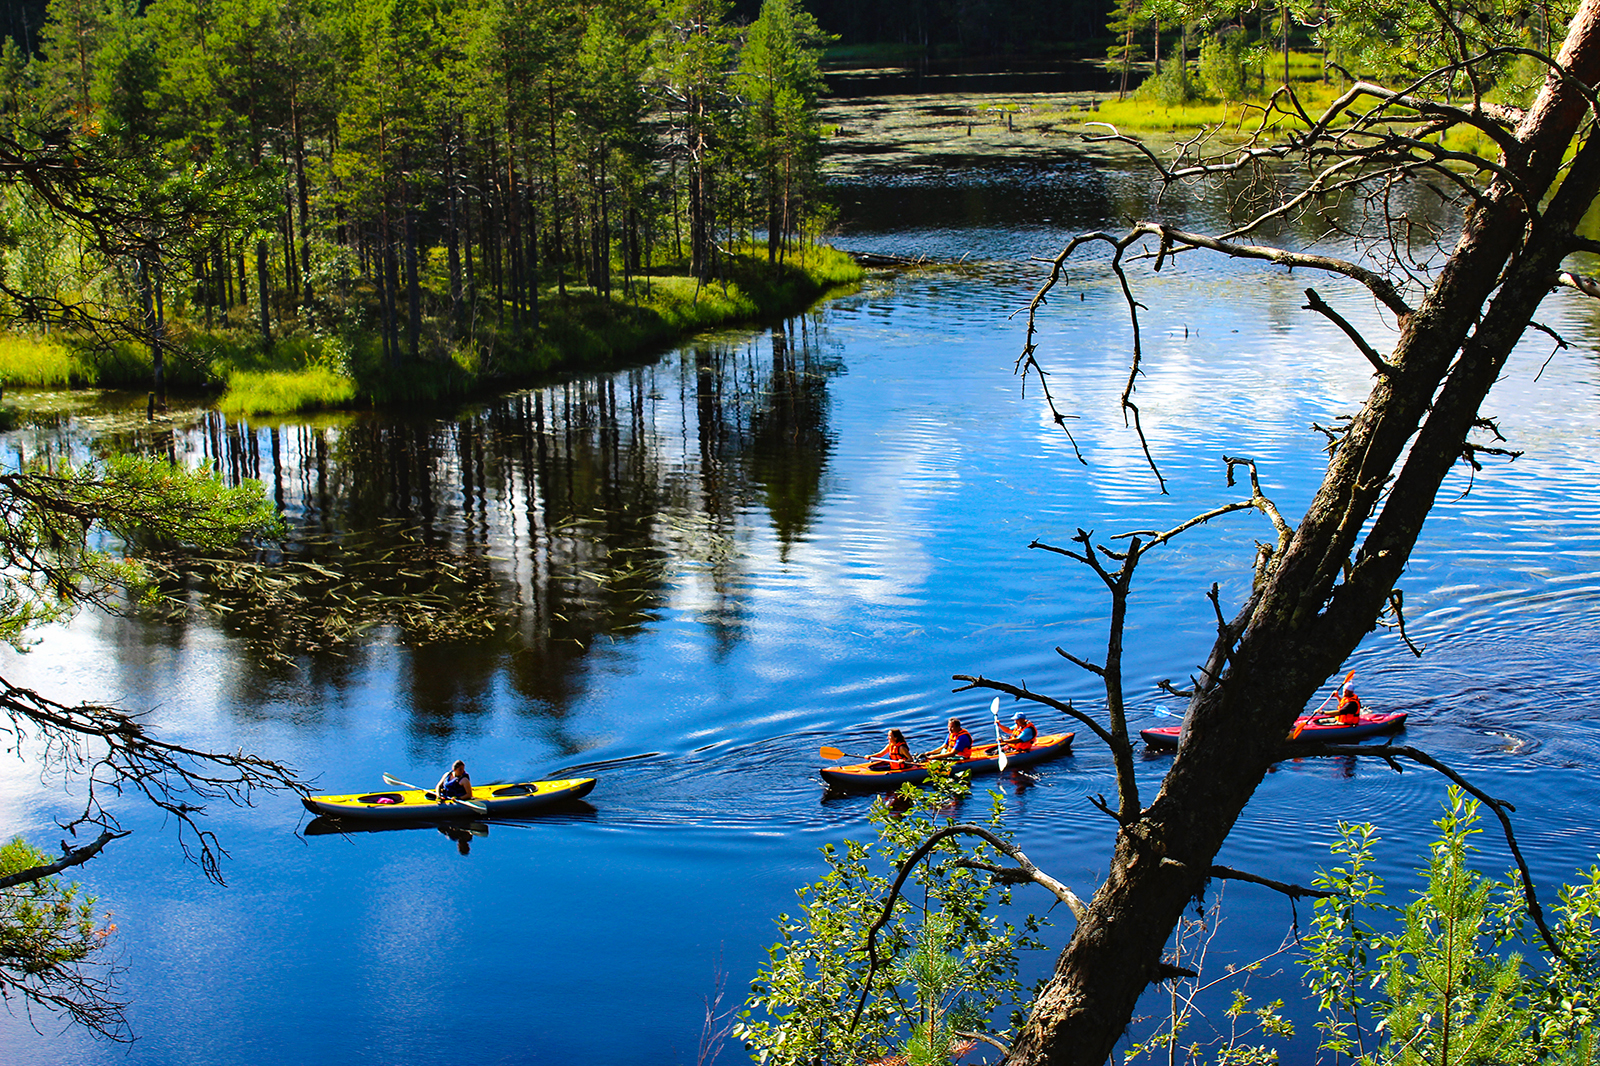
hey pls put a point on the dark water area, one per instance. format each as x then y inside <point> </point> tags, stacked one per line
<point>689,576</point>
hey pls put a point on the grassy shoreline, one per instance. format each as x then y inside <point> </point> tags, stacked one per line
<point>306,368</point>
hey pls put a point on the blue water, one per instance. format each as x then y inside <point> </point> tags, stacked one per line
<point>705,572</point>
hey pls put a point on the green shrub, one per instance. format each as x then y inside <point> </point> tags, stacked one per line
<point>1222,65</point>
<point>1171,85</point>
<point>945,960</point>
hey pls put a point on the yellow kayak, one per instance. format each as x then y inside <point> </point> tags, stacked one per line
<point>524,797</point>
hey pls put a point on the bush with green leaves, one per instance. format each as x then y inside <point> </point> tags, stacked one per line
<point>1449,987</point>
<point>50,946</point>
<point>943,962</point>
<point>1223,57</point>
<point>1171,85</point>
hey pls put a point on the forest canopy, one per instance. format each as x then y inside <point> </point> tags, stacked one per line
<point>416,171</point>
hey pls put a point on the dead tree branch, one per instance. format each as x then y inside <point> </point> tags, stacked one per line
<point>113,750</point>
<point>70,857</point>
<point>1228,873</point>
<point>1580,282</point>
<point>1315,303</point>
<point>1022,692</point>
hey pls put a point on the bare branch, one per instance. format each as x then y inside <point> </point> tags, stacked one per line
<point>1023,693</point>
<point>1315,303</point>
<point>112,748</point>
<point>1581,282</point>
<point>1228,873</point>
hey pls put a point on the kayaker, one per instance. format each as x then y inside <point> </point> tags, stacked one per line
<point>1021,734</point>
<point>455,784</point>
<point>896,753</point>
<point>1349,712</point>
<point>958,745</point>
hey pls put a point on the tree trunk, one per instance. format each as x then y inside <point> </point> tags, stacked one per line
<point>302,184</point>
<point>413,281</point>
<point>262,287</point>
<point>1307,621</point>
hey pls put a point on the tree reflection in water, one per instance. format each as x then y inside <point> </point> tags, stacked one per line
<point>508,539</point>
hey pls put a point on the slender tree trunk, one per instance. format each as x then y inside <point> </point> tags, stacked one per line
<point>302,185</point>
<point>147,271</point>
<point>559,257</point>
<point>453,213</point>
<point>413,280</point>
<point>263,286</point>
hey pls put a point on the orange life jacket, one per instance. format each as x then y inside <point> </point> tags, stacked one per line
<point>1349,712</point>
<point>1022,726</point>
<point>898,754</point>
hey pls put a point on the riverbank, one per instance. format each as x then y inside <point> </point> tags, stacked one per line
<point>331,358</point>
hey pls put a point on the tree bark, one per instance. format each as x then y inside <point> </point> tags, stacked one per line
<point>1307,620</point>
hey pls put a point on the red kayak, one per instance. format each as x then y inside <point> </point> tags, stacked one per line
<point>1314,732</point>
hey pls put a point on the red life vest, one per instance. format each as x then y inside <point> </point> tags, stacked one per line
<point>898,754</point>
<point>1023,728</point>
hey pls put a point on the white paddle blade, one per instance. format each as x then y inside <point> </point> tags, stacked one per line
<point>999,741</point>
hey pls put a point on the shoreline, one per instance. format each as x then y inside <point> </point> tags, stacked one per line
<point>305,370</point>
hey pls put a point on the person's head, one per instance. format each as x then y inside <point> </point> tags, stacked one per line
<point>896,737</point>
<point>459,767</point>
<point>955,725</point>
<point>1019,717</point>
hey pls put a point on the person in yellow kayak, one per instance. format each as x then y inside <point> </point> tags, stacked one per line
<point>896,753</point>
<point>455,784</point>
<point>1020,734</point>
<point>957,745</point>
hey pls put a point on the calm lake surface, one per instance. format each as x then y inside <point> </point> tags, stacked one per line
<point>694,573</point>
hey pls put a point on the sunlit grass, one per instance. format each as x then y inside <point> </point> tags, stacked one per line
<point>36,361</point>
<point>253,392</point>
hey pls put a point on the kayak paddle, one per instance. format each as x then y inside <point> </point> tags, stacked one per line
<point>835,753</point>
<point>999,741</point>
<point>1302,723</point>
<point>397,783</point>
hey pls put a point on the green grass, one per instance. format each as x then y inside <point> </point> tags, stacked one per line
<point>314,388</point>
<point>1146,115</point>
<point>26,359</point>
